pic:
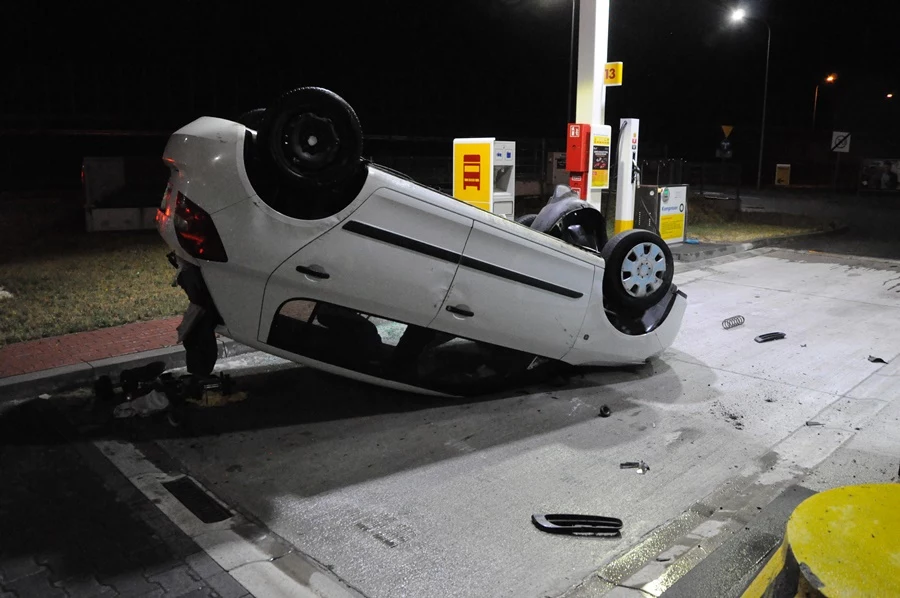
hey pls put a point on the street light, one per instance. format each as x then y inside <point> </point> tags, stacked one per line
<point>829,79</point>
<point>736,17</point>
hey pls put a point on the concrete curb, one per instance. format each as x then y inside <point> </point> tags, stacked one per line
<point>80,374</point>
<point>682,254</point>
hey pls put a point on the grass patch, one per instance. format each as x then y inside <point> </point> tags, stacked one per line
<point>740,232</point>
<point>711,221</point>
<point>85,282</point>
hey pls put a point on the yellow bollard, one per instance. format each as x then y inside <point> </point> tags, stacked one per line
<point>841,542</point>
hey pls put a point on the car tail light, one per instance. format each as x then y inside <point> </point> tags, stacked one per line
<point>196,232</point>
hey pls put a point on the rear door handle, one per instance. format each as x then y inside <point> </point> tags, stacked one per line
<point>460,310</point>
<point>314,271</point>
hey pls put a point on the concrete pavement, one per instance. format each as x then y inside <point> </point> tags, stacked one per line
<point>401,495</point>
<point>387,494</point>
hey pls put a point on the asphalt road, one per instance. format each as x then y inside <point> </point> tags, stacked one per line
<point>402,495</point>
<point>873,221</point>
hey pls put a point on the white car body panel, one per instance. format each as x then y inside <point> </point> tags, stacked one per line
<point>527,290</point>
<point>372,276</point>
<point>512,313</point>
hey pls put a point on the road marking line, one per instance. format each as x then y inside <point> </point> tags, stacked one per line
<point>267,566</point>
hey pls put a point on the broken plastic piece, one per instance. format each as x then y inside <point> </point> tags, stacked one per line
<point>605,411</point>
<point>594,525</point>
<point>874,359</point>
<point>640,466</point>
<point>148,404</point>
<point>769,336</point>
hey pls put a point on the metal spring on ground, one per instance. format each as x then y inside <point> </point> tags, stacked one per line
<point>732,322</point>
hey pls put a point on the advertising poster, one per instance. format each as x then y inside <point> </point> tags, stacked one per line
<point>600,162</point>
<point>672,206</point>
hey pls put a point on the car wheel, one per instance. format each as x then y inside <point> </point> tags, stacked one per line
<point>252,119</point>
<point>312,136</point>
<point>639,269</point>
<point>526,219</point>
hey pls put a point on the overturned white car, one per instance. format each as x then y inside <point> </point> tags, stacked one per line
<point>289,241</point>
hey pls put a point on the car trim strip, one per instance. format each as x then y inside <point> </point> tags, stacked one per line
<point>392,238</point>
<point>514,276</point>
<point>380,234</point>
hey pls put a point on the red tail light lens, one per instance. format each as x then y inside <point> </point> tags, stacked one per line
<point>196,232</point>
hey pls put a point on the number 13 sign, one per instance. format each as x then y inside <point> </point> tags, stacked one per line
<point>612,75</point>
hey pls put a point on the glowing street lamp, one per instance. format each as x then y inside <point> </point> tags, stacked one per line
<point>829,79</point>
<point>738,16</point>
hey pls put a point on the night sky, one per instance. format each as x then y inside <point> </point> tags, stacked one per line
<point>467,67</point>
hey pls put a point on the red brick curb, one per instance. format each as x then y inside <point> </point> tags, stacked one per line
<point>80,347</point>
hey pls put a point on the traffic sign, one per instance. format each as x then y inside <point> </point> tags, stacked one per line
<point>727,129</point>
<point>840,141</point>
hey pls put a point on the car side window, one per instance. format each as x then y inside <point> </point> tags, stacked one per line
<point>391,350</point>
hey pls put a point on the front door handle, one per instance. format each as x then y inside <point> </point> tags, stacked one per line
<point>314,271</point>
<point>460,310</point>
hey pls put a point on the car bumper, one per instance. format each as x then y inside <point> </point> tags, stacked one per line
<point>607,340</point>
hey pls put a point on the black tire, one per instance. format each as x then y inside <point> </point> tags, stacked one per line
<point>647,282</point>
<point>252,119</point>
<point>312,137</point>
<point>526,219</point>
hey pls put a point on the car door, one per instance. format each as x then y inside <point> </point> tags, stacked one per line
<point>394,257</point>
<point>516,291</point>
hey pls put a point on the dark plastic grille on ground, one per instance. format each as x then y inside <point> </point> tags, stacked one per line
<point>196,500</point>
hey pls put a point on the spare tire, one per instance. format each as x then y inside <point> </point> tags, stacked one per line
<point>312,137</point>
<point>638,272</point>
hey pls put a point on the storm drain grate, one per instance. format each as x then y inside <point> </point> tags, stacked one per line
<point>198,502</point>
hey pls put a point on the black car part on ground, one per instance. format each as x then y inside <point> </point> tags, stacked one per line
<point>770,336</point>
<point>590,525</point>
<point>132,382</point>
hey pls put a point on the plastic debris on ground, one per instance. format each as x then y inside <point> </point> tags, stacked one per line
<point>144,405</point>
<point>215,398</point>
<point>578,525</point>
<point>640,466</point>
<point>874,359</point>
